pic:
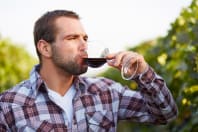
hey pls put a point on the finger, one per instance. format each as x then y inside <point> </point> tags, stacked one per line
<point>130,57</point>
<point>120,57</point>
<point>110,56</point>
<point>117,59</point>
<point>137,59</point>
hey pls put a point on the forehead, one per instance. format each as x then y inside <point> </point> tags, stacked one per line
<point>69,25</point>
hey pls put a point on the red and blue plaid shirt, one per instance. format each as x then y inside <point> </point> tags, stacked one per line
<point>99,103</point>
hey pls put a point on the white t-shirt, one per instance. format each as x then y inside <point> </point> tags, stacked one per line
<point>65,102</point>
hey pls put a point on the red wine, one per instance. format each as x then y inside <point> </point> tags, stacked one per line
<point>95,62</point>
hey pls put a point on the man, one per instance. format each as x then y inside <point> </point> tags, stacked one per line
<point>56,98</point>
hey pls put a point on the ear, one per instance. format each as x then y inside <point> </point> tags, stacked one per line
<point>44,48</point>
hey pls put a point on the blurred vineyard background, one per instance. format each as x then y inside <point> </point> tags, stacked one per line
<point>15,63</point>
<point>174,57</point>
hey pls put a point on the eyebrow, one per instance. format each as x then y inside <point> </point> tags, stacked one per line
<point>75,35</point>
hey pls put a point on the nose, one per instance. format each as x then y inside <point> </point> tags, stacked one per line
<point>83,44</point>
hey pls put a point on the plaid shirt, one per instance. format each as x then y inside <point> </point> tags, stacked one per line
<point>98,104</point>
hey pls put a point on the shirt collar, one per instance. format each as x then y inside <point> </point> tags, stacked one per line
<point>38,84</point>
<point>80,84</point>
<point>85,85</point>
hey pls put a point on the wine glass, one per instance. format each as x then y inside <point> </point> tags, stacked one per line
<point>96,54</point>
<point>96,58</point>
<point>128,69</point>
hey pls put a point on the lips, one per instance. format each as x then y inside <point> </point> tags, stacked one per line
<point>81,58</point>
<point>84,54</point>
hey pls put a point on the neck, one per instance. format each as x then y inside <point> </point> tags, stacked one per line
<point>56,79</point>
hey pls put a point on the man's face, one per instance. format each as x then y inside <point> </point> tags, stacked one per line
<point>70,46</point>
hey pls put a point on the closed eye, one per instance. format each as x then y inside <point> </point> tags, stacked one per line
<point>72,37</point>
<point>85,38</point>
<point>76,36</point>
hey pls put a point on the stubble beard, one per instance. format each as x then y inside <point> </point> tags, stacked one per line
<point>69,64</point>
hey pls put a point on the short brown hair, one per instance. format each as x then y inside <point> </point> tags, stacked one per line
<point>44,27</point>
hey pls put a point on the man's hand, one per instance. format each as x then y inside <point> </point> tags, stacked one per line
<point>134,60</point>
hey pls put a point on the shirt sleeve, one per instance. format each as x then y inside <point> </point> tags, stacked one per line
<point>3,125</point>
<point>153,103</point>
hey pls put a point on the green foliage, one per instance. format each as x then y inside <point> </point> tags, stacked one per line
<point>15,64</point>
<point>175,57</point>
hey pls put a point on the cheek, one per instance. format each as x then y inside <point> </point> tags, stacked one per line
<point>71,55</point>
<point>69,50</point>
